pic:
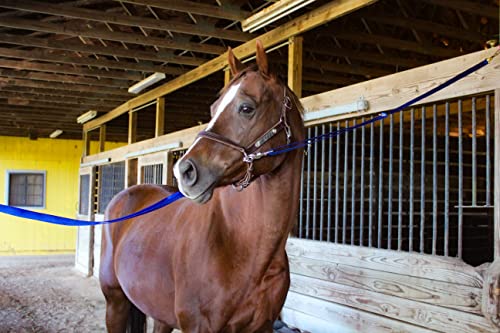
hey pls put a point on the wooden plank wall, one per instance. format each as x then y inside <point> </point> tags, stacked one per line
<point>387,291</point>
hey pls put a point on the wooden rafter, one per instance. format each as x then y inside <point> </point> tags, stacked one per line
<point>472,7</point>
<point>62,78</point>
<point>132,21</point>
<point>68,45</point>
<point>297,26</point>
<point>64,86</point>
<point>399,44</point>
<point>45,55</point>
<point>41,100</point>
<point>64,94</point>
<point>67,69</point>
<point>134,38</point>
<point>429,26</point>
<point>192,7</point>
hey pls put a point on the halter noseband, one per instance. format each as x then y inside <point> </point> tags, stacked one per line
<point>249,153</point>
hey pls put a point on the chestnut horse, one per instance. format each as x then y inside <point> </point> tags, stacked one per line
<point>214,261</point>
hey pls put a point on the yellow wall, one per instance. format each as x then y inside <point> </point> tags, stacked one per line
<point>60,159</point>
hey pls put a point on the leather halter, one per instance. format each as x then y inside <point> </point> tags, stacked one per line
<point>249,153</point>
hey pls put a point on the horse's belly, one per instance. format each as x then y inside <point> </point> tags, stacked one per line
<point>146,280</point>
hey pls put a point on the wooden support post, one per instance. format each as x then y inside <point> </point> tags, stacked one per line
<point>102,138</point>
<point>170,169</point>
<point>295,64</point>
<point>160,117</point>
<point>131,172</point>
<point>496,191</point>
<point>86,143</point>
<point>227,76</point>
<point>132,127</point>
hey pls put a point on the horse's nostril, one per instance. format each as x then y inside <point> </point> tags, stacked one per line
<point>188,172</point>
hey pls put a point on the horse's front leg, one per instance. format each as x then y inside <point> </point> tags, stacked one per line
<point>117,310</point>
<point>159,327</point>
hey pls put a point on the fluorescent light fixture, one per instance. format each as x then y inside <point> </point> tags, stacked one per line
<point>359,105</point>
<point>55,134</point>
<point>272,13</point>
<point>96,162</point>
<point>156,149</point>
<point>150,80</point>
<point>86,117</point>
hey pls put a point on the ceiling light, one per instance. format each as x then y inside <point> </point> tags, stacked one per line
<point>272,13</point>
<point>86,117</point>
<point>150,80</point>
<point>55,134</point>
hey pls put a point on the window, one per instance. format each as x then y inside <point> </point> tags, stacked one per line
<point>111,181</point>
<point>83,207</point>
<point>26,189</point>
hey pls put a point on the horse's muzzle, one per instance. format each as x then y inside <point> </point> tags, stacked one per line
<point>195,182</point>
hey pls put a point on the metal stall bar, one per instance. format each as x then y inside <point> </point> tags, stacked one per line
<point>353,184</point>
<point>412,161</point>
<point>400,183</point>
<point>460,181</point>
<point>330,173</point>
<point>380,186</point>
<point>370,194</point>
<point>447,178</point>
<point>362,187</point>
<point>337,182</point>
<point>346,171</point>
<point>389,195</point>
<point>488,156</point>
<point>322,189</point>
<point>422,183</point>
<point>434,178</point>
<point>474,153</point>
<point>301,202</point>
<point>315,185</point>
<point>308,194</point>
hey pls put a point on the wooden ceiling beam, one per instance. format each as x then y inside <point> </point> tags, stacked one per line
<point>77,46</point>
<point>399,44</point>
<point>192,7</point>
<point>49,101</point>
<point>62,94</point>
<point>117,92</point>
<point>66,69</point>
<point>368,57</point>
<point>39,76</point>
<point>294,27</point>
<point>429,26</point>
<point>131,21</point>
<point>126,37</point>
<point>48,56</point>
<point>469,7</point>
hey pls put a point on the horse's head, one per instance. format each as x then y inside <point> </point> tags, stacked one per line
<point>254,113</point>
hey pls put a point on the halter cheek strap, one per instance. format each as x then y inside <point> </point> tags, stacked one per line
<point>249,153</point>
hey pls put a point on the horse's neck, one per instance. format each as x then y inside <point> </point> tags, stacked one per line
<point>265,214</point>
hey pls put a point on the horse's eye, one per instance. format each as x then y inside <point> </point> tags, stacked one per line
<point>246,109</point>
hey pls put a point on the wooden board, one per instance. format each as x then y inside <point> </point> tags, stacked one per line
<point>437,268</point>
<point>390,91</point>
<point>450,295</point>
<point>345,318</point>
<point>416,313</point>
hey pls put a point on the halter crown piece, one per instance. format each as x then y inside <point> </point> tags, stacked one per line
<point>249,153</point>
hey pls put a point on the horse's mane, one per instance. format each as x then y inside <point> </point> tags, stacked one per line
<point>254,68</point>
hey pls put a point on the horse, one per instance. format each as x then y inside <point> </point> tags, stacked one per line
<point>214,261</point>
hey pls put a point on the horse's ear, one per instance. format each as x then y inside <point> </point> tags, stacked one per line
<point>262,58</point>
<point>235,64</point>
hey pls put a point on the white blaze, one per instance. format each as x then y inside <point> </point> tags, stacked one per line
<point>228,98</point>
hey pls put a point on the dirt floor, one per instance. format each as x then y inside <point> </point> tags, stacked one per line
<point>46,295</point>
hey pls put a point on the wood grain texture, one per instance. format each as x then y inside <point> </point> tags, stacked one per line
<point>347,319</point>
<point>437,268</point>
<point>294,27</point>
<point>416,313</point>
<point>463,298</point>
<point>390,91</point>
<point>497,174</point>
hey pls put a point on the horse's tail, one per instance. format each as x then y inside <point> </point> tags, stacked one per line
<point>136,320</point>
